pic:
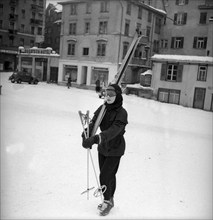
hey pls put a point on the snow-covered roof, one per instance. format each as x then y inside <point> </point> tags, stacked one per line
<point>56,7</point>
<point>182,58</point>
<point>138,86</point>
<point>147,72</point>
<point>156,9</point>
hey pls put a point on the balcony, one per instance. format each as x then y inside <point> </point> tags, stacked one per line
<point>36,8</point>
<point>13,17</point>
<point>36,22</point>
<point>13,3</point>
<point>12,31</point>
<point>136,61</point>
<point>207,5</point>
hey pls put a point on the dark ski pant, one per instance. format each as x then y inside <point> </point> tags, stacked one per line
<point>108,169</point>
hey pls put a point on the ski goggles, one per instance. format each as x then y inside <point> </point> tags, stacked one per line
<point>110,93</point>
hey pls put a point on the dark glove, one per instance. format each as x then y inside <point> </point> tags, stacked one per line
<point>88,142</point>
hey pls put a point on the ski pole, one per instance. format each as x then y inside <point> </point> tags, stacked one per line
<point>86,134</point>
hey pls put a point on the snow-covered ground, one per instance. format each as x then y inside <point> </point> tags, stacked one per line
<point>166,171</point>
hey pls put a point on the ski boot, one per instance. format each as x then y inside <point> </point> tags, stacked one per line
<point>106,207</point>
<point>111,200</point>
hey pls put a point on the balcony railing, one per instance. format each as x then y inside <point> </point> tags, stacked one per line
<point>36,22</point>
<point>139,61</point>
<point>208,4</point>
<point>13,17</point>
<point>37,8</point>
<point>12,31</point>
<point>13,2</point>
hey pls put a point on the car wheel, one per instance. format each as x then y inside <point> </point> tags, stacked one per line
<point>12,80</point>
<point>19,81</point>
<point>36,82</point>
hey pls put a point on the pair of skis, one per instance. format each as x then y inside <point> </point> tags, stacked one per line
<point>85,117</point>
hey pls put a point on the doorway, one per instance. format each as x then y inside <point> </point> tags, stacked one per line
<point>199,98</point>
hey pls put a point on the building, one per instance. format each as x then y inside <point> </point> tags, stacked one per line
<point>183,80</point>
<point>41,63</point>
<point>187,29</point>
<point>52,27</point>
<point>95,36</point>
<point>21,24</point>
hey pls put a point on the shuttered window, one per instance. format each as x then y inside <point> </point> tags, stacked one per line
<point>200,42</point>
<point>171,72</point>
<point>203,17</point>
<point>180,18</point>
<point>177,42</point>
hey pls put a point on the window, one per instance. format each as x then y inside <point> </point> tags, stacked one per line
<point>171,72</point>
<point>11,41</point>
<point>71,48</point>
<point>88,8</point>
<point>200,42</point>
<point>32,30</point>
<point>39,31</point>
<point>139,12</point>
<point>104,6</point>
<point>22,27</point>
<point>138,26</point>
<point>1,40</point>
<point>148,31</point>
<point>31,43</point>
<point>12,10</point>
<point>128,8</point>
<point>149,18</point>
<point>1,9</point>
<point>12,25</point>
<point>85,51</point>
<point>101,50</point>
<point>33,15</point>
<point>177,42</point>
<point>23,13</point>
<point>164,43</point>
<point>157,25</point>
<point>103,27</point>
<point>21,43</point>
<point>126,31</point>
<point>180,18</point>
<point>149,2</point>
<point>1,23</point>
<point>203,17</point>
<point>125,48</point>
<point>72,30</point>
<point>41,2</point>
<point>202,73</point>
<point>156,46</point>
<point>73,9</point>
<point>87,27</point>
<point>182,2</point>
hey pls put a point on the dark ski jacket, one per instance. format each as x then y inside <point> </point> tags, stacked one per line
<point>112,130</point>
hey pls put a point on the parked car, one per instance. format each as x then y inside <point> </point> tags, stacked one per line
<point>22,76</point>
<point>12,76</point>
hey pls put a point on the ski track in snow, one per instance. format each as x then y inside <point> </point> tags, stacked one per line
<point>166,171</point>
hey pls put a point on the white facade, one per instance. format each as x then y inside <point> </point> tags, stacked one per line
<point>95,36</point>
<point>184,80</point>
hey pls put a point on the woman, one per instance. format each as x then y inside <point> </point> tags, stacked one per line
<point>111,143</point>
